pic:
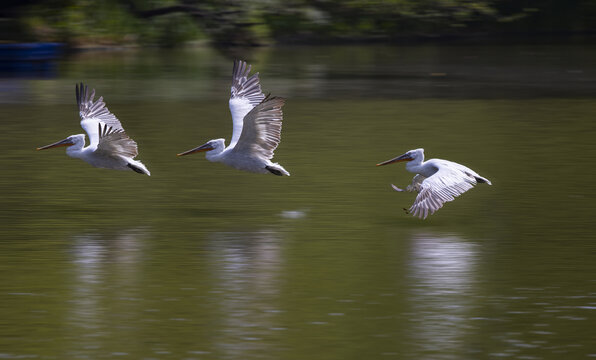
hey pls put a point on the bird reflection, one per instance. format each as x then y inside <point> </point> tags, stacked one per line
<point>246,266</point>
<point>103,266</point>
<point>443,290</point>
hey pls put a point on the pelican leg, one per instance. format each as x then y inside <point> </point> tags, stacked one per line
<point>416,183</point>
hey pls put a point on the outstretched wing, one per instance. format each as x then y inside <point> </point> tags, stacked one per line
<point>262,129</point>
<point>443,186</point>
<point>94,113</point>
<point>245,95</point>
<point>114,142</point>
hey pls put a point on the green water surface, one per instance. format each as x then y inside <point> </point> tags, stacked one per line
<point>201,261</point>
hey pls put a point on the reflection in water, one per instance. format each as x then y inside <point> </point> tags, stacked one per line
<point>293,214</point>
<point>443,286</point>
<point>94,257</point>
<point>246,266</point>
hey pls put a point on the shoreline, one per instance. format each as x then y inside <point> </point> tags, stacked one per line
<point>509,38</point>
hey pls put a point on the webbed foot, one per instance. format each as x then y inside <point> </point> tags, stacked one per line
<point>396,188</point>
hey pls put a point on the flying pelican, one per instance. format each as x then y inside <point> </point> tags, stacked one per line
<point>256,128</point>
<point>437,181</point>
<point>109,146</point>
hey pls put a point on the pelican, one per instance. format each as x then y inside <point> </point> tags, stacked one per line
<point>109,146</point>
<point>437,181</point>
<point>256,131</point>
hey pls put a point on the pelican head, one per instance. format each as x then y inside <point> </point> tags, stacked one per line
<point>73,142</point>
<point>212,147</point>
<point>416,155</point>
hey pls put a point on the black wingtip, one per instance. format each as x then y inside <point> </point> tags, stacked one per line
<point>270,97</point>
<point>241,68</point>
<point>81,92</point>
<point>274,171</point>
<point>135,168</point>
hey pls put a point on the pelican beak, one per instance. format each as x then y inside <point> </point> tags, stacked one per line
<point>404,157</point>
<point>65,142</point>
<point>204,147</point>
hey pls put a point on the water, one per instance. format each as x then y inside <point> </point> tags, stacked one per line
<point>200,261</point>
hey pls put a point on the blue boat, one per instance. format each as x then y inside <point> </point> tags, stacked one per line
<point>28,56</point>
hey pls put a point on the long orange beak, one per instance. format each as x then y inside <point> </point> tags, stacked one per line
<point>404,157</point>
<point>65,142</point>
<point>204,147</point>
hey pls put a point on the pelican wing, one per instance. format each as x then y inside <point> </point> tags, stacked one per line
<point>443,186</point>
<point>113,142</point>
<point>245,95</point>
<point>94,113</point>
<point>262,129</point>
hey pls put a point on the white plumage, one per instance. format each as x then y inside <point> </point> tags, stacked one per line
<point>256,132</point>
<point>437,181</point>
<point>109,146</point>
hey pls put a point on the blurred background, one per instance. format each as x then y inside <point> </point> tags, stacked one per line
<point>201,261</point>
<point>167,23</point>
